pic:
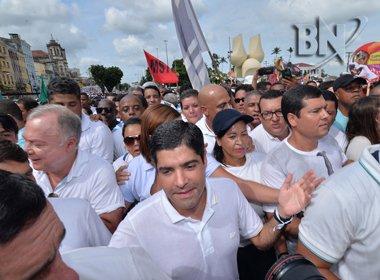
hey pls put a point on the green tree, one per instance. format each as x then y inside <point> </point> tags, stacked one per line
<point>180,68</point>
<point>276,51</point>
<point>216,76</point>
<point>124,86</point>
<point>146,78</point>
<point>106,77</point>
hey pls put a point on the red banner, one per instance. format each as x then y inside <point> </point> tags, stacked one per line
<point>160,72</point>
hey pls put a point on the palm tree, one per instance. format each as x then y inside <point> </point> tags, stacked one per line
<point>276,51</point>
<point>290,50</point>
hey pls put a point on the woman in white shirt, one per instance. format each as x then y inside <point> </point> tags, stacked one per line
<point>363,128</point>
<point>131,135</point>
<point>232,140</point>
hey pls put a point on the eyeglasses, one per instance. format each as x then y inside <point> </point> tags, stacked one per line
<point>132,108</point>
<point>130,140</point>
<point>101,110</point>
<point>238,100</point>
<point>269,115</point>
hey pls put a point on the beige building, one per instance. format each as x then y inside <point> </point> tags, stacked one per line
<point>7,77</point>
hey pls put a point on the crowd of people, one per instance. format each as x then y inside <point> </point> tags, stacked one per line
<point>180,184</point>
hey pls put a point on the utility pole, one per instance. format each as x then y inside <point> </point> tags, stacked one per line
<point>348,61</point>
<point>166,50</point>
<point>229,53</point>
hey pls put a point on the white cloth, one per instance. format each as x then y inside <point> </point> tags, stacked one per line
<point>264,142</point>
<point>90,178</point>
<point>208,135</point>
<point>118,141</point>
<point>83,226</point>
<point>124,160</point>
<point>341,224</point>
<point>356,147</point>
<point>112,263</point>
<point>251,170</point>
<point>96,138</point>
<point>339,136</point>
<point>185,248</point>
<point>286,159</point>
<point>143,174</point>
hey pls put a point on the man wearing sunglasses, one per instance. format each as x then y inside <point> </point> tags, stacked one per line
<point>348,89</point>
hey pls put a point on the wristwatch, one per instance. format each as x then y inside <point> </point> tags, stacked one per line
<point>282,222</point>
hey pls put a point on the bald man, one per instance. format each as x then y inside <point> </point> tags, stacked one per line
<point>212,99</point>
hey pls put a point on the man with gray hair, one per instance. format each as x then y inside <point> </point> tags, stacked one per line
<point>52,134</point>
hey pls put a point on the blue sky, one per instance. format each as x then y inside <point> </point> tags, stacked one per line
<point>114,32</point>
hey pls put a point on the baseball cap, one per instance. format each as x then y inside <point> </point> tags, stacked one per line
<point>345,80</point>
<point>227,118</point>
<point>150,85</point>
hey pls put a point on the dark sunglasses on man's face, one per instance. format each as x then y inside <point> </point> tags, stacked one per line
<point>238,100</point>
<point>130,140</point>
<point>101,110</point>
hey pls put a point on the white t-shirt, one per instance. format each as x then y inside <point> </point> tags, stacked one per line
<point>264,142</point>
<point>96,138</point>
<point>185,248</point>
<point>113,263</point>
<point>286,159</point>
<point>251,171</point>
<point>341,224</point>
<point>143,174</point>
<point>83,226</point>
<point>208,135</point>
<point>118,141</point>
<point>90,178</point>
<point>124,160</point>
<point>356,147</point>
<point>339,136</point>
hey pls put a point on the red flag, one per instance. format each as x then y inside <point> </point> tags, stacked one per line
<point>160,72</point>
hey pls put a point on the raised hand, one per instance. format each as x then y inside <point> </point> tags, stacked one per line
<point>293,198</point>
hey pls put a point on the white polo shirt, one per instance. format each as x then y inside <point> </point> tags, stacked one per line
<point>143,174</point>
<point>118,141</point>
<point>286,159</point>
<point>96,138</point>
<point>264,142</point>
<point>341,224</point>
<point>185,248</point>
<point>208,135</point>
<point>83,226</point>
<point>90,178</point>
<point>113,263</point>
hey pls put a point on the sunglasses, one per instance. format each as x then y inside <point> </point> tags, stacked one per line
<point>130,140</point>
<point>101,110</point>
<point>238,100</point>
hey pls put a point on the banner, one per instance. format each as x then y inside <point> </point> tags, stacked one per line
<point>366,61</point>
<point>191,41</point>
<point>161,73</point>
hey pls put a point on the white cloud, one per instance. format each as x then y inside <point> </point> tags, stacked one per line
<point>128,44</point>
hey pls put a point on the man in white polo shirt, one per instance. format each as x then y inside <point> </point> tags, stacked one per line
<point>195,223</point>
<point>340,230</point>
<point>304,109</point>
<point>212,99</point>
<point>61,169</point>
<point>96,138</point>
<point>273,128</point>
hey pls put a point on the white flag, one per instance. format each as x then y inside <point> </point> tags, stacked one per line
<point>191,41</point>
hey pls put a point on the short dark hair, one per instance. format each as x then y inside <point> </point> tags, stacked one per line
<point>173,134</point>
<point>188,93</point>
<point>12,151</point>
<point>330,96</point>
<point>9,107</point>
<point>326,85</point>
<point>246,88</point>
<point>63,85</point>
<point>28,103</point>
<point>293,99</point>
<point>270,94</point>
<point>8,123</point>
<point>131,121</point>
<point>21,201</point>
